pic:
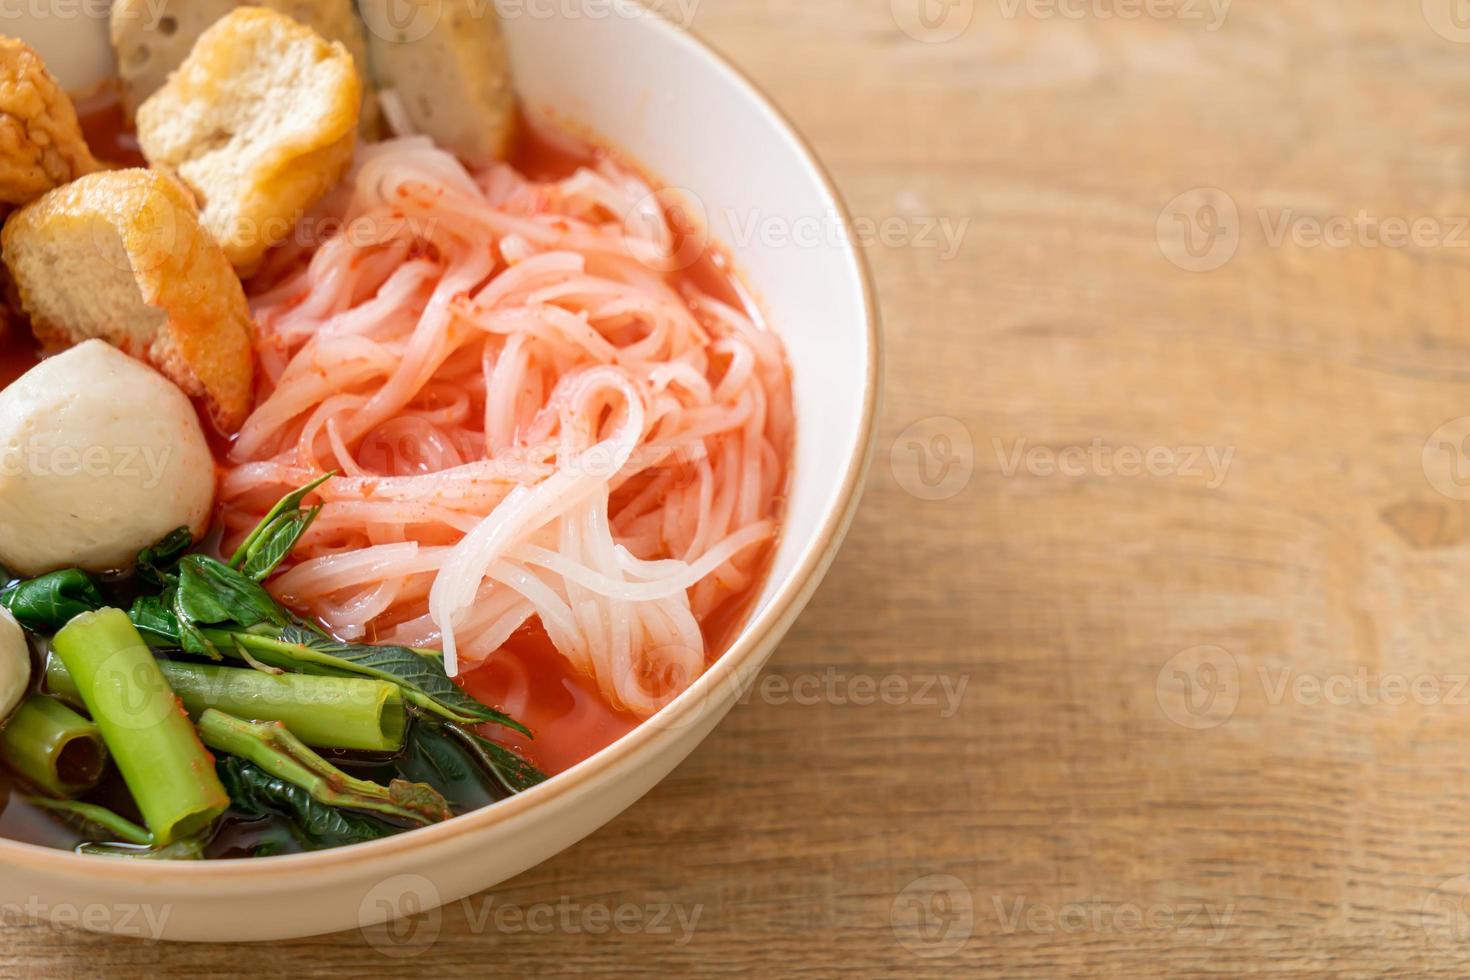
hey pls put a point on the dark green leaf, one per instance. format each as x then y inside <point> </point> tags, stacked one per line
<point>153,618</point>
<point>94,821</point>
<point>188,849</point>
<point>256,793</point>
<point>47,603</point>
<point>433,755</point>
<point>212,593</point>
<point>153,561</point>
<point>514,773</point>
<point>422,677</point>
<point>270,745</point>
<point>276,543</point>
<point>275,535</point>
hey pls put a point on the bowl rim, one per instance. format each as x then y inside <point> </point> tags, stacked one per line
<point>784,606</point>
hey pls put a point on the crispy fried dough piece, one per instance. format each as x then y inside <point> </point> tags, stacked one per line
<point>153,37</point>
<point>447,70</point>
<point>259,121</point>
<point>121,256</point>
<point>41,144</point>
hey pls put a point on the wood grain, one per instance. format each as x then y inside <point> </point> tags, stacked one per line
<point>1095,811</point>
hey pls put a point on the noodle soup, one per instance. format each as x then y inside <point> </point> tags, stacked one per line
<point>535,434</point>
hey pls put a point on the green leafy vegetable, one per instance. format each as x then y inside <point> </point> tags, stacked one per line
<point>211,593</point>
<point>277,533</point>
<point>256,793</point>
<point>277,543</point>
<point>421,677</point>
<point>94,821</point>
<point>514,773</point>
<point>156,621</point>
<point>150,740</point>
<point>152,561</point>
<point>431,755</point>
<point>200,605</point>
<point>273,748</point>
<point>188,849</point>
<point>49,602</point>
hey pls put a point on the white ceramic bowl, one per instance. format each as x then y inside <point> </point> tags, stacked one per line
<point>690,118</point>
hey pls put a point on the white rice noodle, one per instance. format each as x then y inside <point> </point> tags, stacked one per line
<point>531,419</point>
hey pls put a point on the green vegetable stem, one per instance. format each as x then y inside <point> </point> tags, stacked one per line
<point>328,712</point>
<point>274,749</point>
<point>168,771</point>
<point>53,748</point>
<point>94,821</point>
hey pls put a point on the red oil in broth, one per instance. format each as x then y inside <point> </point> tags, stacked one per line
<point>105,127</point>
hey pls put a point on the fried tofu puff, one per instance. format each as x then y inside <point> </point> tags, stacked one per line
<point>41,144</point>
<point>259,122</point>
<point>120,256</point>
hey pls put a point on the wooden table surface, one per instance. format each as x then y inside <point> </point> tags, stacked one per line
<point>1148,651</point>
